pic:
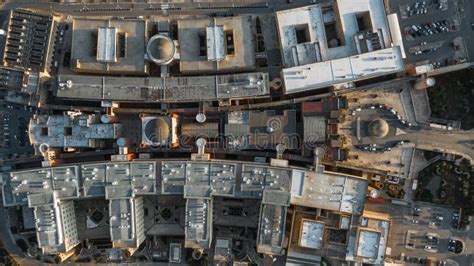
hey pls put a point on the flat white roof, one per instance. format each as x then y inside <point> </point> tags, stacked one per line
<point>311,234</point>
<point>331,191</point>
<point>215,43</point>
<point>348,9</point>
<point>106,44</point>
<point>396,32</point>
<point>357,67</point>
<point>368,245</point>
<point>289,20</point>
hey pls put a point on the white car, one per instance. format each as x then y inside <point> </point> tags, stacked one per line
<point>431,248</point>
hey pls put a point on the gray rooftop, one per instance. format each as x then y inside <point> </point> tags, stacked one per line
<point>261,129</point>
<point>123,182</point>
<point>311,234</point>
<point>314,129</point>
<point>237,55</point>
<point>55,223</point>
<point>368,244</point>
<point>71,130</point>
<point>47,233</point>
<point>64,180</point>
<point>17,80</point>
<point>219,178</point>
<point>330,191</point>
<point>368,241</point>
<point>93,179</point>
<point>198,229</point>
<point>91,46</point>
<point>271,229</point>
<point>121,211</point>
<point>169,89</point>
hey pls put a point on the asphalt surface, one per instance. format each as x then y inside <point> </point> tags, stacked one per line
<point>460,10</point>
<point>455,141</point>
<point>402,217</point>
<point>15,127</point>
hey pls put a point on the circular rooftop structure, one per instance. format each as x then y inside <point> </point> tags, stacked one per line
<point>378,128</point>
<point>161,49</point>
<point>157,131</point>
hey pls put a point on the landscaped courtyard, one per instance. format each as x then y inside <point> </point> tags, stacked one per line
<point>446,183</point>
<point>452,97</point>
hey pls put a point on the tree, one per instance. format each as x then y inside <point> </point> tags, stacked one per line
<point>426,195</point>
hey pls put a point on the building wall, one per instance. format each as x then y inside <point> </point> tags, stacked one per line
<point>68,220</point>
<point>139,220</point>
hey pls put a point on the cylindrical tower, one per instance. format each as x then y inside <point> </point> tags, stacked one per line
<point>423,83</point>
<point>161,49</point>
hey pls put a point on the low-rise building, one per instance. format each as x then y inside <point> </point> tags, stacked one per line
<point>30,40</point>
<point>341,42</point>
<point>368,238</point>
<point>216,44</point>
<point>167,89</point>
<point>72,130</point>
<point>112,46</point>
<point>261,129</point>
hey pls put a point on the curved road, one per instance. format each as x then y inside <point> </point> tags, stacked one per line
<point>459,142</point>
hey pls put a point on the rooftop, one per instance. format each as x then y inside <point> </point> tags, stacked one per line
<point>314,129</point>
<point>368,238</point>
<point>261,129</point>
<point>71,130</point>
<point>122,183</point>
<point>311,234</point>
<point>198,229</point>
<point>109,46</point>
<point>216,44</point>
<point>342,42</point>
<point>17,80</point>
<point>121,216</point>
<point>220,178</point>
<point>17,186</point>
<point>368,243</point>
<point>30,36</point>
<point>357,67</point>
<point>169,89</point>
<point>306,35</point>
<point>271,229</point>
<point>330,191</point>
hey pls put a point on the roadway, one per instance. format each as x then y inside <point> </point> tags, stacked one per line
<point>459,142</point>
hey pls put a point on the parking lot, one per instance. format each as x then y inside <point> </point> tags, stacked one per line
<point>422,231</point>
<point>434,31</point>
<point>14,140</point>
